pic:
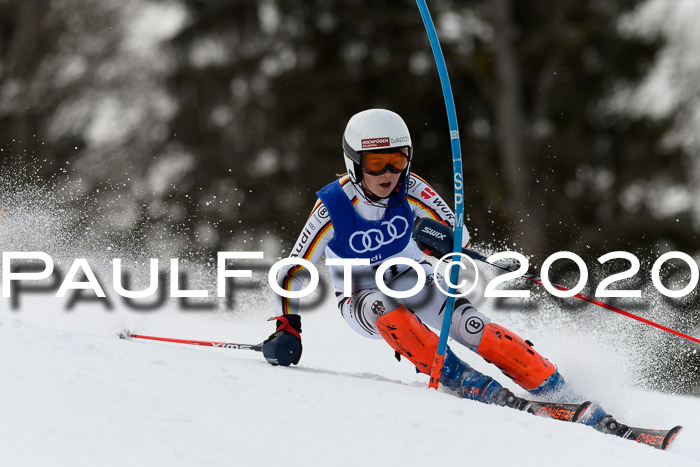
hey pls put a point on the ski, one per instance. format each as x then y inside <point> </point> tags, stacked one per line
<point>659,439</point>
<point>555,410</point>
<point>559,411</point>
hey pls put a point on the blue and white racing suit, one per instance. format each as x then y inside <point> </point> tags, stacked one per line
<point>344,224</point>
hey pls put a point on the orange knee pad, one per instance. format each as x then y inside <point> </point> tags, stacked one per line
<point>409,337</point>
<point>514,356</point>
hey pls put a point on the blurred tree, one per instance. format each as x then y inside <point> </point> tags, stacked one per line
<point>670,89</point>
<point>561,159</point>
<point>258,93</point>
<point>44,61</point>
<point>265,89</point>
<point>82,106</point>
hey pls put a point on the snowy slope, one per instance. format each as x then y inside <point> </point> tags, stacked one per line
<point>72,393</point>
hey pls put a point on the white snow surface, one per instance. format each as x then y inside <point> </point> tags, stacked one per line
<point>74,394</point>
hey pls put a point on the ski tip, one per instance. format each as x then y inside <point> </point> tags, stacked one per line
<point>124,334</point>
<point>580,411</point>
<point>670,436</point>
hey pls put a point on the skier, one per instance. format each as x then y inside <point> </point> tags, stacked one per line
<point>368,213</point>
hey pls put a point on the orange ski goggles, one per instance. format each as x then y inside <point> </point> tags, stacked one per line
<point>376,163</point>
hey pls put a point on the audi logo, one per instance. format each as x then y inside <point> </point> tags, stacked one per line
<point>373,239</point>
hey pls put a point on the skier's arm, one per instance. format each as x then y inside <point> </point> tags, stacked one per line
<point>310,245</point>
<point>425,202</point>
<point>283,347</point>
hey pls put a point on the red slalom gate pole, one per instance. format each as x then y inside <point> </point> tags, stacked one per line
<point>224,345</point>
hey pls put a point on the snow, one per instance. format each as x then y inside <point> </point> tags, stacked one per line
<point>74,394</point>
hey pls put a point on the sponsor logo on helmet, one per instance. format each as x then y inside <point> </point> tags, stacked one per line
<point>399,140</point>
<point>373,239</point>
<point>375,143</point>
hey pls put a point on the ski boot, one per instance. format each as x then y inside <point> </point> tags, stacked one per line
<point>458,376</point>
<point>505,398</point>
<point>471,384</point>
<point>608,424</point>
<point>555,389</point>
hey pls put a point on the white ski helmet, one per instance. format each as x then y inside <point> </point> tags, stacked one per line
<point>374,129</point>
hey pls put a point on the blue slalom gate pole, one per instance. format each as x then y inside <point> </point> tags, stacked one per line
<point>458,186</point>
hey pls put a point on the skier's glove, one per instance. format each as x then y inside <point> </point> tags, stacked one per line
<point>283,347</point>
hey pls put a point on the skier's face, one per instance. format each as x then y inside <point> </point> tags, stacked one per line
<point>381,185</point>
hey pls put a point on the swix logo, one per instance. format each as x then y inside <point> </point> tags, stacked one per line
<point>374,143</point>
<point>427,193</point>
<point>434,233</point>
<point>373,239</point>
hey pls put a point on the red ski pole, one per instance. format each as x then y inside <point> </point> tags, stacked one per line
<point>126,334</point>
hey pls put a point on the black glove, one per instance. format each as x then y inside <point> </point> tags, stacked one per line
<point>283,347</point>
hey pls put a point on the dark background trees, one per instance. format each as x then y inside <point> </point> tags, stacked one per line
<point>233,116</point>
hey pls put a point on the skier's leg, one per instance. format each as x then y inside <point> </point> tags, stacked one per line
<point>513,355</point>
<point>372,314</point>
<point>404,332</point>
<point>519,361</point>
<point>516,358</point>
<point>409,337</point>
<point>456,374</point>
<point>363,308</point>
